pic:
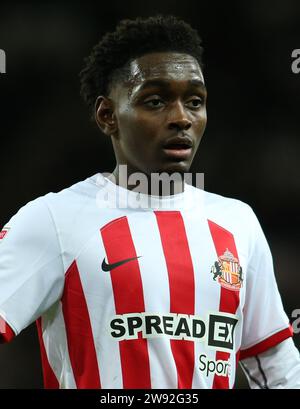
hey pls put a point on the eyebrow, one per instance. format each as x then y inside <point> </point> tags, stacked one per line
<point>166,84</point>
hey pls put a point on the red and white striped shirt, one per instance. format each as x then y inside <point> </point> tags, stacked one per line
<point>169,295</point>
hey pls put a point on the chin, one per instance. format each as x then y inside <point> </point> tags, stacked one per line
<point>175,167</point>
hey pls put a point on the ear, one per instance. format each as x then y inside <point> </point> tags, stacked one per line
<point>105,116</point>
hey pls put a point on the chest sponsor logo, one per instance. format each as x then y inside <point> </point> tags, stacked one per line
<point>4,232</point>
<point>228,271</point>
<point>217,330</point>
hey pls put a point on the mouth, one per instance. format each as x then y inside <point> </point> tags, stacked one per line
<point>178,148</point>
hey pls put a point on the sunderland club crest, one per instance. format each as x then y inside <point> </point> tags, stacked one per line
<point>228,271</point>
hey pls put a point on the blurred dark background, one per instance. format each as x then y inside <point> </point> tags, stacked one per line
<point>250,150</point>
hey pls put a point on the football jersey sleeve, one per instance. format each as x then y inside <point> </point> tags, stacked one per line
<point>31,268</point>
<point>276,368</point>
<point>265,321</point>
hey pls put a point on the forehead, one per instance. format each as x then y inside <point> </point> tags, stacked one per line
<point>164,65</point>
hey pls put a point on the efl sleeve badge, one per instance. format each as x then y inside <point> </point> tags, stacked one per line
<point>3,233</point>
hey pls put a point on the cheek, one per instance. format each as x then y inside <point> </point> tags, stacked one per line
<point>137,129</point>
<point>201,123</point>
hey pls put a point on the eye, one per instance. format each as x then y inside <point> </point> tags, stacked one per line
<point>195,103</point>
<point>154,103</point>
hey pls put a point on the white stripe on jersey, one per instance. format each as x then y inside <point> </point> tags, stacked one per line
<point>96,285</point>
<point>156,290</point>
<point>53,327</point>
<point>200,242</point>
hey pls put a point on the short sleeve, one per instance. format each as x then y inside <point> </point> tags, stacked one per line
<point>31,269</point>
<point>265,321</point>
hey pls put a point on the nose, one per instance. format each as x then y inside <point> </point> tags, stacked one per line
<point>178,118</point>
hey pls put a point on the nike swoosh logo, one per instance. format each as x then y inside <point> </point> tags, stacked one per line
<point>108,267</point>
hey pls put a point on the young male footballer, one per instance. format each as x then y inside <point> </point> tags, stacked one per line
<point>132,289</point>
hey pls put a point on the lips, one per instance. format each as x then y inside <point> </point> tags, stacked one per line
<point>178,147</point>
<point>183,142</point>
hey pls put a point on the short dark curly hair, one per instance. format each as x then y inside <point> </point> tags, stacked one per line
<point>110,58</point>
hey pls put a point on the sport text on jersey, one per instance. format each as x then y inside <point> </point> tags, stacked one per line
<point>217,331</point>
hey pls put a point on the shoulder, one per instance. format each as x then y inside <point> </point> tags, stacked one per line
<point>75,194</point>
<point>226,209</point>
<point>38,216</point>
<point>233,215</point>
<point>216,201</point>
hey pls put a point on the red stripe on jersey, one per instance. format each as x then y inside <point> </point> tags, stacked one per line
<point>267,343</point>
<point>182,287</point>
<point>6,333</point>
<point>82,352</point>
<point>50,380</point>
<point>129,298</point>
<point>230,299</point>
